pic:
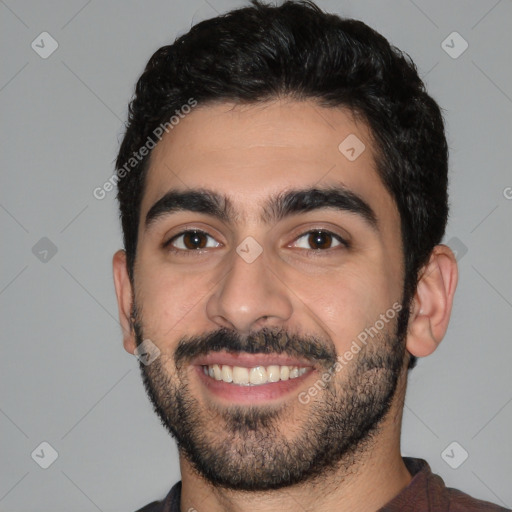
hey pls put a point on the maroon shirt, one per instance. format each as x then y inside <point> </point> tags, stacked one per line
<point>426,492</point>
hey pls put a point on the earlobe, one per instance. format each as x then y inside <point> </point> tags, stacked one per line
<point>432,302</point>
<point>124,293</point>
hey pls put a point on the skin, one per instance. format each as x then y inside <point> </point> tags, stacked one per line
<point>249,154</point>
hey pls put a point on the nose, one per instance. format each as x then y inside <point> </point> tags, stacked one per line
<point>251,296</point>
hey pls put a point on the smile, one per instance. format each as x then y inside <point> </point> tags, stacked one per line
<point>245,378</point>
<point>254,376</point>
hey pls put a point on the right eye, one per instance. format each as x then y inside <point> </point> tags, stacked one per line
<point>192,240</point>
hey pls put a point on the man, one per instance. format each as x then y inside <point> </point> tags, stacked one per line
<point>283,195</point>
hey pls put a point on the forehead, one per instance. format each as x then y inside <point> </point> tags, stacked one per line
<point>250,152</point>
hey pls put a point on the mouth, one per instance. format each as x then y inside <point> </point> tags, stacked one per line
<point>251,377</point>
<point>255,376</point>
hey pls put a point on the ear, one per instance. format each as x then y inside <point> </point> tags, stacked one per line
<point>124,295</point>
<point>432,303</point>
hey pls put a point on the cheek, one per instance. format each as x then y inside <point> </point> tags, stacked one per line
<point>171,301</point>
<point>344,303</point>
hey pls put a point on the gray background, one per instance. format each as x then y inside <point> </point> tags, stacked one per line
<point>65,378</point>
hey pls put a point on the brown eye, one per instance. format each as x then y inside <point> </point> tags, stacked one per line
<point>192,240</point>
<point>318,240</point>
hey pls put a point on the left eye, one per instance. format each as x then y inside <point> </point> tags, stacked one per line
<point>192,240</point>
<point>318,240</point>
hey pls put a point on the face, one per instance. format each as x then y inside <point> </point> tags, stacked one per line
<point>265,257</point>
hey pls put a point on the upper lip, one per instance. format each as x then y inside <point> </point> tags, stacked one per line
<point>249,360</point>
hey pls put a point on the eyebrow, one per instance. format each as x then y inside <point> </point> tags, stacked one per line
<point>303,201</point>
<point>282,205</point>
<point>199,201</point>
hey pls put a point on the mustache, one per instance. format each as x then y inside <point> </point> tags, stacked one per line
<point>264,341</point>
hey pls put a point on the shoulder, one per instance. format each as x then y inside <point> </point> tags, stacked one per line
<point>462,502</point>
<point>154,506</point>
<point>171,503</point>
<point>429,492</point>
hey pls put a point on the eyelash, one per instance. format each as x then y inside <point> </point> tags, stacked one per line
<point>188,252</point>
<point>168,244</point>
<point>342,242</point>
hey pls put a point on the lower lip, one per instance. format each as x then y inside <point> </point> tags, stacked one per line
<point>251,394</point>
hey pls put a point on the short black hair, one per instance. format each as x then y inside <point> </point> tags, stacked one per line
<point>263,52</point>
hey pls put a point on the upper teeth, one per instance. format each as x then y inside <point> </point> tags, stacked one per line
<point>253,376</point>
